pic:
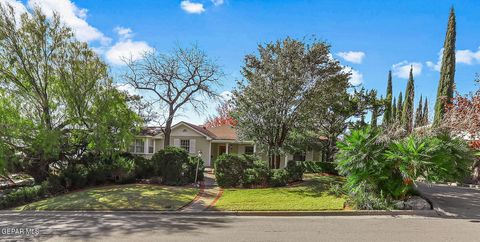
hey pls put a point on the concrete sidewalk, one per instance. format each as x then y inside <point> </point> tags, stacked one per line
<point>458,202</point>
<point>209,194</point>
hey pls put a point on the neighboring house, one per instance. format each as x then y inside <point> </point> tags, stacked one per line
<point>209,143</point>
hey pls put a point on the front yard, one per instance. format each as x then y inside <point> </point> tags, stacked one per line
<point>311,195</point>
<point>119,197</point>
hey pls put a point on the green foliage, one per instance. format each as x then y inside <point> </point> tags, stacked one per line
<point>387,115</point>
<point>257,175</point>
<point>279,178</point>
<point>281,86</point>
<point>447,71</point>
<point>192,168</point>
<point>380,172</point>
<point>22,195</point>
<point>408,105</point>
<point>229,169</point>
<point>320,167</point>
<point>144,168</point>
<point>295,170</point>
<point>174,166</point>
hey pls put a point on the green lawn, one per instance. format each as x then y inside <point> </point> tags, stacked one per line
<point>119,197</point>
<point>311,195</point>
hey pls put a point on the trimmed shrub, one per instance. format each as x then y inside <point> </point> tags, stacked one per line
<point>278,178</point>
<point>295,170</point>
<point>172,165</point>
<point>229,169</point>
<point>258,175</point>
<point>73,177</point>
<point>320,167</point>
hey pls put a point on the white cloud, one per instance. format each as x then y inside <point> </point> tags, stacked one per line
<point>124,33</point>
<point>125,87</point>
<point>73,17</point>
<point>126,49</point>
<point>217,2</point>
<point>468,57</point>
<point>402,69</point>
<point>352,56</point>
<point>17,6</point>
<point>356,78</point>
<point>191,7</point>
<point>226,95</point>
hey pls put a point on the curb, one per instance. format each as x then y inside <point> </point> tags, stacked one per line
<point>424,213</point>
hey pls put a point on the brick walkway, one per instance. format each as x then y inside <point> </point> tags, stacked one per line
<point>210,192</point>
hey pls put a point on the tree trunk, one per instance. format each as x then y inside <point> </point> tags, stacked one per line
<point>38,170</point>
<point>476,172</point>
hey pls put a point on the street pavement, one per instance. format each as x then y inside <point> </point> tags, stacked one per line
<point>453,201</point>
<point>83,226</point>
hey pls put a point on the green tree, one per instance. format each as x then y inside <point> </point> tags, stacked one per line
<point>283,85</point>
<point>419,113</point>
<point>387,116</point>
<point>61,97</point>
<point>399,107</point>
<point>408,104</point>
<point>447,71</point>
<point>425,117</point>
<point>394,110</point>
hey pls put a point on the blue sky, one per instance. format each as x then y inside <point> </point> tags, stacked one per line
<point>374,36</point>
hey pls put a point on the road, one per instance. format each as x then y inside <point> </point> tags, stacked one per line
<point>458,202</point>
<point>56,226</point>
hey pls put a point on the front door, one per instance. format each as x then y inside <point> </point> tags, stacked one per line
<point>222,149</point>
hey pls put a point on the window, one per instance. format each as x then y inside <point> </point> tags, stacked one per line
<point>138,146</point>
<point>185,144</point>
<point>150,146</point>
<point>249,150</point>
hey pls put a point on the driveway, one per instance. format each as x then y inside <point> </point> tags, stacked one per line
<point>72,226</point>
<point>459,202</point>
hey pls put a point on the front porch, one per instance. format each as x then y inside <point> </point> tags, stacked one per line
<point>219,147</point>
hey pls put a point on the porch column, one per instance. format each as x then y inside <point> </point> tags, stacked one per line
<point>227,148</point>
<point>145,146</point>
<point>286,160</point>
<point>254,148</point>
<point>209,153</point>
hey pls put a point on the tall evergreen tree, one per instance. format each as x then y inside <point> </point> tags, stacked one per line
<point>399,107</point>
<point>425,113</point>
<point>394,110</point>
<point>375,106</point>
<point>447,71</point>
<point>419,113</point>
<point>387,116</point>
<point>407,114</point>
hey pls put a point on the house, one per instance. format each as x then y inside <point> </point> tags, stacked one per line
<point>208,143</point>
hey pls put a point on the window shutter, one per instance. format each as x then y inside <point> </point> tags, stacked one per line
<point>193,148</point>
<point>176,142</point>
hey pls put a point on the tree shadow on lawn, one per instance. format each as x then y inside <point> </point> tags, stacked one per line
<point>122,197</point>
<point>316,186</point>
<point>95,226</point>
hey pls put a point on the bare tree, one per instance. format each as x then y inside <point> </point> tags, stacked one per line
<point>184,77</point>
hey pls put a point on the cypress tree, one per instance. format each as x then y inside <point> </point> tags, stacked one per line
<point>447,71</point>
<point>419,113</point>
<point>425,113</point>
<point>399,107</point>
<point>387,116</point>
<point>407,114</point>
<point>394,110</point>
<point>374,105</point>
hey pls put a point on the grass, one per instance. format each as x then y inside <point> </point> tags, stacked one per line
<point>119,197</point>
<point>311,195</point>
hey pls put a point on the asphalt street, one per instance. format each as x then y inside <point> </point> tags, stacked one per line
<point>68,226</point>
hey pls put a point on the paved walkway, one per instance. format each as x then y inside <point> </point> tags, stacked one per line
<point>459,202</point>
<point>210,192</point>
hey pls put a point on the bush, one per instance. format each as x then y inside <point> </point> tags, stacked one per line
<point>172,165</point>
<point>21,196</point>
<point>258,175</point>
<point>144,168</point>
<point>229,169</point>
<point>320,167</point>
<point>192,168</point>
<point>295,170</point>
<point>278,178</point>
